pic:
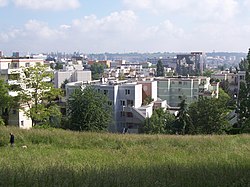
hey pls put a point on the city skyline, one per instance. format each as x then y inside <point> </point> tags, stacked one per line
<point>124,26</point>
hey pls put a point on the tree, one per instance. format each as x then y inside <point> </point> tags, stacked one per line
<point>244,97</point>
<point>39,96</point>
<point>160,122</point>
<point>209,115</point>
<point>6,102</point>
<point>159,69</point>
<point>183,123</point>
<point>97,70</point>
<point>243,65</point>
<point>89,110</point>
<point>224,84</point>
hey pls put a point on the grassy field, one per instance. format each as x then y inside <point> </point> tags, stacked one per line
<point>64,158</point>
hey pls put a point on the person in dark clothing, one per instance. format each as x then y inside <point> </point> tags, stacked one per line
<point>12,139</point>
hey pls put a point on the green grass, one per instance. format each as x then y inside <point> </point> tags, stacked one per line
<point>64,158</point>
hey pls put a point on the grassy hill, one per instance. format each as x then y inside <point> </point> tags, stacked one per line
<point>64,158</point>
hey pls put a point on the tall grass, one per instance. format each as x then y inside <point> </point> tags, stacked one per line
<point>64,158</point>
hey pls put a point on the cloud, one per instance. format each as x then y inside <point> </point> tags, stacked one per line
<point>48,4</point>
<point>3,3</point>
<point>165,29</point>
<point>116,21</point>
<point>40,30</point>
<point>95,33</point>
<point>198,10</point>
<point>123,31</point>
<point>246,3</point>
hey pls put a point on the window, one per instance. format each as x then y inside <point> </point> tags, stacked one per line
<point>180,82</point>
<point>127,92</point>
<point>105,92</point>
<point>22,123</point>
<point>13,111</point>
<point>122,103</point>
<point>27,65</point>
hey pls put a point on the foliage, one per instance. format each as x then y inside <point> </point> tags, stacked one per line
<point>224,84</point>
<point>159,69</point>
<point>244,98</point>
<point>209,116</point>
<point>243,65</point>
<point>97,70</point>
<point>89,110</point>
<point>147,100</point>
<point>207,73</point>
<point>58,66</point>
<point>159,122</point>
<point>40,95</point>
<point>2,123</point>
<point>183,124</point>
<point>66,158</point>
<point>6,101</point>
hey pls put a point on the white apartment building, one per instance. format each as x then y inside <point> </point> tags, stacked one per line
<point>11,70</point>
<point>71,76</point>
<point>127,101</point>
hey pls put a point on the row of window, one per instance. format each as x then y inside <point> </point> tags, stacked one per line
<point>105,92</point>
<point>129,102</point>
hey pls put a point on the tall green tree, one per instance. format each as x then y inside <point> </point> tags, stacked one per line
<point>6,102</point>
<point>159,123</point>
<point>209,115</point>
<point>40,96</point>
<point>97,70</point>
<point>183,124</point>
<point>244,98</point>
<point>159,69</point>
<point>89,110</point>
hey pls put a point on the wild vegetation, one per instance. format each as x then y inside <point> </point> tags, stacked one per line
<point>55,157</point>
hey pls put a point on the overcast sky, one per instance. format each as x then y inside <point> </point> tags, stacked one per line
<point>96,26</point>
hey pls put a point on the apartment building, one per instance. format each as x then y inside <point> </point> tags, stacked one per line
<point>11,70</point>
<point>127,100</point>
<point>175,89</point>
<point>71,76</point>
<point>191,64</point>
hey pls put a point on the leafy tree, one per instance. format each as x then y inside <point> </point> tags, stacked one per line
<point>243,65</point>
<point>244,98</point>
<point>6,102</point>
<point>209,116</point>
<point>159,123</point>
<point>89,110</point>
<point>207,73</point>
<point>159,69</point>
<point>58,66</point>
<point>40,95</point>
<point>147,100</point>
<point>224,84</point>
<point>97,70</point>
<point>183,124</point>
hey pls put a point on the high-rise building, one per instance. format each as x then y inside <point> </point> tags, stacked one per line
<point>191,64</point>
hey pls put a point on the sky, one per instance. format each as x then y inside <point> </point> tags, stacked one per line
<point>122,26</point>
